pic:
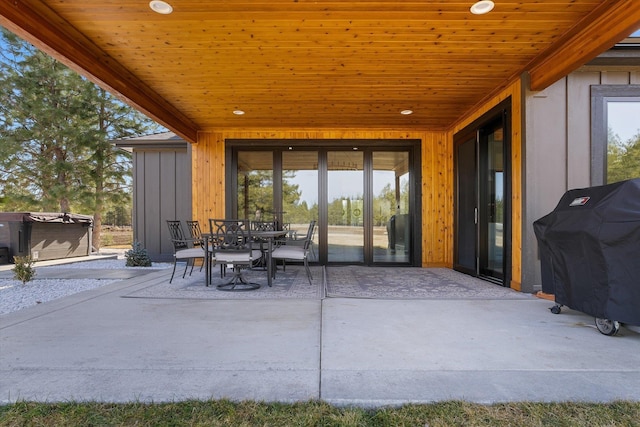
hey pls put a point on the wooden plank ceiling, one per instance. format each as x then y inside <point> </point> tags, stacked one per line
<point>299,64</point>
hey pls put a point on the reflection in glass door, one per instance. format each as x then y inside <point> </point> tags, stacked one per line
<point>255,185</point>
<point>492,205</point>
<point>391,219</point>
<point>345,206</point>
<point>300,194</point>
<point>362,199</point>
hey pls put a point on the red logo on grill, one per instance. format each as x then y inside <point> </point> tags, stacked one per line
<point>580,201</point>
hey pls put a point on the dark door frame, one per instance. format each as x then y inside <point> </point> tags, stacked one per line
<point>475,131</point>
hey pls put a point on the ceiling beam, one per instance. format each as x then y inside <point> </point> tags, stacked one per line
<point>40,26</point>
<point>609,23</point>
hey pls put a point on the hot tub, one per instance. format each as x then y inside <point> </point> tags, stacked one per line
<point>45,235</point>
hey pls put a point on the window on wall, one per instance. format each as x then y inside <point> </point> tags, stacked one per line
<point>615,138</point>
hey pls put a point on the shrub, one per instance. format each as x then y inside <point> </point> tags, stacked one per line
<point>23,269</point>
<point>137,256</point>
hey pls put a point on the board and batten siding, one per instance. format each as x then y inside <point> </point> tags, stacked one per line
<point>208,157</point>
<point>162,191</point>
<point>558,150</point>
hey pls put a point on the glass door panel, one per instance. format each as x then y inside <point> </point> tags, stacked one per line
<point>465,257</point>
<point>481,244</point>
<point>361,199</point>
<point>345,206</point>
<point>255,185</point>
<point>492,206</point>
<point>300,194</point>
<point>391,219</point>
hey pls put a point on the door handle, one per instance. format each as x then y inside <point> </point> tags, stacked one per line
<point>475,216</point>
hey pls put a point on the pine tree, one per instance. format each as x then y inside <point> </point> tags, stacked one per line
<point>55,133</point>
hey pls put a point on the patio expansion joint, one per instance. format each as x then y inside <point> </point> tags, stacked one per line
<point>493,370</point>
<point>324,293</point>
<point>10,369</point>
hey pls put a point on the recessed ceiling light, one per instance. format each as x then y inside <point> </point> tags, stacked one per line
<point>406,112</point>
<point>482,7</point>
<point>160,6</point>
<point>238,112</point>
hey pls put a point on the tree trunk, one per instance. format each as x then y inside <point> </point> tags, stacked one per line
<point>64,205</point>
<point>99,206</point>
<point>97,229</point>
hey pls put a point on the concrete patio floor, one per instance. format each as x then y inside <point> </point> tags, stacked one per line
<point>98,346</point>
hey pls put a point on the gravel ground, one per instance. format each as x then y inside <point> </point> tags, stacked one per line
<point>15,296</point>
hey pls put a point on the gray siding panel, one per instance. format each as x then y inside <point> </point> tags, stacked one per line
<point>138,198</point>
<point>557,151</point>
<point>546,148</point>
<point>152,202</point>
<point>183,187</point>
<point>546,167</point>
<point>578,135</point>
<point>162,191</point>
<point>166,197</point>
<point>615,78</point>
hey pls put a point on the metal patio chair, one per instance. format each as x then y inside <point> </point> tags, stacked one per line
<point>196,236</point>
<point>183,249</point>
<point>300,241</point>
<point>259,243</point>
<point>296,252</point>
<point>232,246</point>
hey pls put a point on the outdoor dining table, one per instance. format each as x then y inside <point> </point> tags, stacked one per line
<point>269,235</point>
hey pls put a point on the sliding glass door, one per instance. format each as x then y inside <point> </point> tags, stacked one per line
<point>300,193</point>
<point>360,197</point>
<point>391,193</point>
<point>345,206</point>
<point>255,185</point>
<point>482,202</point>
<point>492,202</point>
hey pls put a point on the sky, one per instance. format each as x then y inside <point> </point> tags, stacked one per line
<point>341,184</point>
<point>624,118</point>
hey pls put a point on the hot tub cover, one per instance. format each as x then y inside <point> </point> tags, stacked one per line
<point>51,217</point>
<point>590,251</point>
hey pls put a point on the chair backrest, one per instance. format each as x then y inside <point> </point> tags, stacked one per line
<point>178,237</point>
<point>311,230</point>
<point>231,234</point>
<point>195,232</point>
<point>308,240</point>
<point>263,225</point>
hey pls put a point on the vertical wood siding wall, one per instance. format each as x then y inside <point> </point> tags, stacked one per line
<point>162,191</point>
<point>558,150</point>
<point>208,157</point>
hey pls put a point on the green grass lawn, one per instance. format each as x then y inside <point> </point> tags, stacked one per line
<point>226,413</point>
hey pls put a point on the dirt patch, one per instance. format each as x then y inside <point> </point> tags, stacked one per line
<point>116,237</point>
